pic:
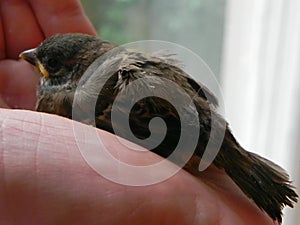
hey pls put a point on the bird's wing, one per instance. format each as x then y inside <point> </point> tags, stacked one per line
<point>178,68</point>
<point>137,88</point>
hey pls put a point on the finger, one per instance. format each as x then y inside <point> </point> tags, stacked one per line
<point>2,40</point>
<point>58,16</point>
<point>40,162</point>
<point>3,104</point>
<point>20,27</point>
<point>18,84</point>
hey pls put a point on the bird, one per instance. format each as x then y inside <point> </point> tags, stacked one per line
<point>63,60</point>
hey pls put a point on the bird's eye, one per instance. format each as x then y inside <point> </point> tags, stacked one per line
<point>53,65</point>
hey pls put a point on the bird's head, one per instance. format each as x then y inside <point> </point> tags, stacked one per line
<point>65,57</point>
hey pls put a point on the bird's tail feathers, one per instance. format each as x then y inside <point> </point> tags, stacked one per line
<point>263,181</point>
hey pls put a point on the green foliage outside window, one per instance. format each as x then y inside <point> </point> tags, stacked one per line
<point>195,24</point>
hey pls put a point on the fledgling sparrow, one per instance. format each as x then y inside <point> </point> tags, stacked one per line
<point>64,58</point>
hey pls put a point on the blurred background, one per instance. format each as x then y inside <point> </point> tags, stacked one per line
<point>253,48</point>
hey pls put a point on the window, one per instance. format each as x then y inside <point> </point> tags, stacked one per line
<point>195,24</point>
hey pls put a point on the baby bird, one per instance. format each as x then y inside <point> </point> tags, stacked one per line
<point>63,59</point>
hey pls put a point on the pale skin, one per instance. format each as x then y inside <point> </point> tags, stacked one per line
<point>44,179</point>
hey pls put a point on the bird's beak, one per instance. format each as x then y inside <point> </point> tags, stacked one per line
<point>30,56</point>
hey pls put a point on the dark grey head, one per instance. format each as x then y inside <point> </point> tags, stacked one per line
<point>65,57</point>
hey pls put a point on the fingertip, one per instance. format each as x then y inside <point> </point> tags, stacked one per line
<point>19,28</point>
<point>18,84</point>
<point>62,17</point>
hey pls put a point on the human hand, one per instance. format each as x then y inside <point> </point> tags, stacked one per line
<point>45,180</point>
<point>43,177</point>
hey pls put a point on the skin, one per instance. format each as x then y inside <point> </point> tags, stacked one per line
<point>48,182</point>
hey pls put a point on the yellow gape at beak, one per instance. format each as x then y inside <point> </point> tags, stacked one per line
<point>30,56</point>
<point>42,69</point>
